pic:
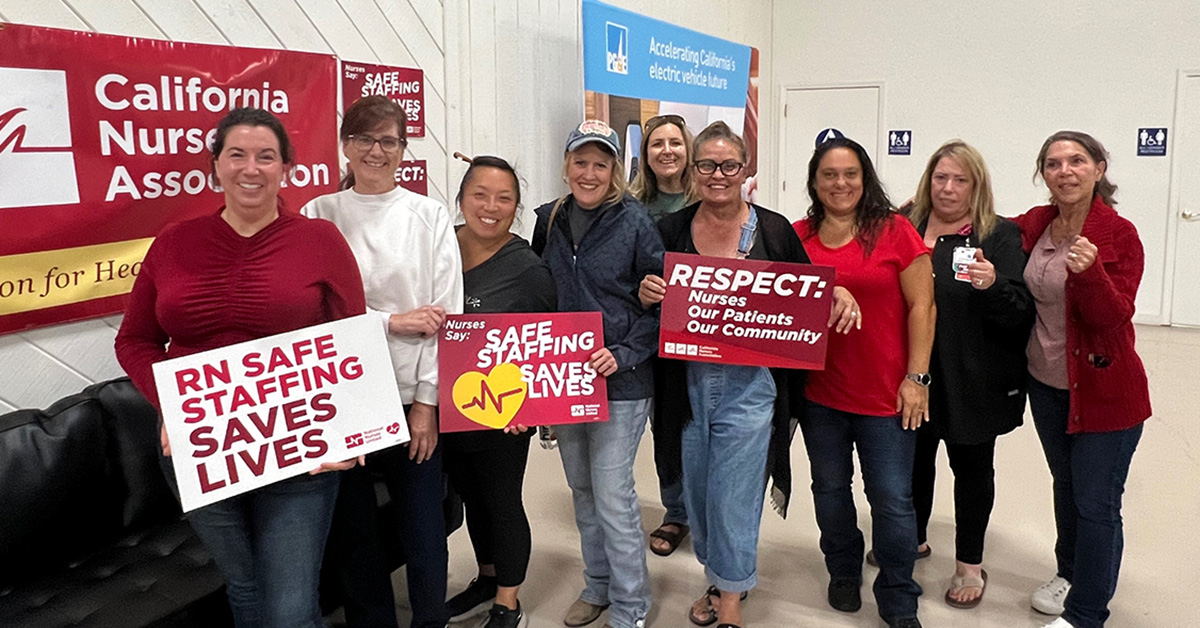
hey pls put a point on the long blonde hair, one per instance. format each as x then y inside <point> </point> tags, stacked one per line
<point>645,184</point>
<point>982,203</point>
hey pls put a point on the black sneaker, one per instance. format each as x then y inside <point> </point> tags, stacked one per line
<point>475,599</point>
<point>503,617</point>
<point>844,594</point>
<point>904,622</point>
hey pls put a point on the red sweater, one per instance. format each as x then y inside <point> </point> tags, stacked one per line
<point>203,286</point>
<point>1107,381</point>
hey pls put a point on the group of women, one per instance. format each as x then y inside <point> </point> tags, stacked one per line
<point>1038,306</point>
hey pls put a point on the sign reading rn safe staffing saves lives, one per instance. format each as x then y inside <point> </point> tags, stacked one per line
<point>254,413</point>
<point>746,312</point>
<point>104,140</point>
<point>520,369</point>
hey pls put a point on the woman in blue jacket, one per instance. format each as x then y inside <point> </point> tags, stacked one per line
<point>599,242</point>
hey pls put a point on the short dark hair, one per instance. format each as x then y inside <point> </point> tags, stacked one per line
<point>874,208</point>
<point>720,131</point>
<point>488,161</point>
<point>249,116</point>
<point>367,114</point>
<point>1105,188</point>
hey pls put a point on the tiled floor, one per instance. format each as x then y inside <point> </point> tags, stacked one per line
<point>1160,581</point>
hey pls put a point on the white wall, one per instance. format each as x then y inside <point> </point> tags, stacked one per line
<point>501,76</point>
<point>1003,76</point>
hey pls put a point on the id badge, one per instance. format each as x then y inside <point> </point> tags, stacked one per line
<point>963,255</point>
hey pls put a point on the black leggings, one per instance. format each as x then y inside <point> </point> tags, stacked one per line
<point>974,491</point>
<point>490,483</point>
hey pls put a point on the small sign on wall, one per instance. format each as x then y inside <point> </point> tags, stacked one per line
<point>1152,142</point>
<point>828,134</point>
<point>900,142</point>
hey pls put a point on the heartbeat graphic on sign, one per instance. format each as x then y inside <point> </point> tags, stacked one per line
<point>15,141</point>
<point>485,394</point>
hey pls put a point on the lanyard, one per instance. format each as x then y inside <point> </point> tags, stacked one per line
<point>746,241</point>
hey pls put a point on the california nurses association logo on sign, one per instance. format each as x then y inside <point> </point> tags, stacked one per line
<point>35,139</point>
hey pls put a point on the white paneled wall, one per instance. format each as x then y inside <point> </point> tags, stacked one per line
<point>502,77</point>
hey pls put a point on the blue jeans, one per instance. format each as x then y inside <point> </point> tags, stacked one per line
<point>1089,472</point>
<point>268,544</point>
<point>885,453</point>
<point>724,468</point>
<point>598,461</point>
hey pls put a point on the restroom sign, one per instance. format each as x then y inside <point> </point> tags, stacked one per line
<point>1152,142</point>
<point>900,142</point>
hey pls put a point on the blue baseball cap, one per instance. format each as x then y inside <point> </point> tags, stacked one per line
<point>594,131</point>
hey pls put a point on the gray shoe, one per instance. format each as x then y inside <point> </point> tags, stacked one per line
<point>582,613</point>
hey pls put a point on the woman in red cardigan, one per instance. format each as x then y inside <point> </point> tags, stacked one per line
<point>1087,387</point>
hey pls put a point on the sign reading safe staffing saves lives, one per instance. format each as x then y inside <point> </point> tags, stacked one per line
<point>521,369</point>
<point>746,312</point>
<point>254,413</point>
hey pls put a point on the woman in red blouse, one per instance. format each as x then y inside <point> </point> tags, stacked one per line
<point>1087,386</point>
<point>873,393</point>
<point>244,272</point>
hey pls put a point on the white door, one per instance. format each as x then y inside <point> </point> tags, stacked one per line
<point>853,110</point>
<point>1185,290</point>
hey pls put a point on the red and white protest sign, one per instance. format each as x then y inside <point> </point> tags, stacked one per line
<point>104,140</point>
<point>412,176</point>
<point>404,86</point>
<point>520,369</point>
<point>745,311</point>
<point>247,415</point>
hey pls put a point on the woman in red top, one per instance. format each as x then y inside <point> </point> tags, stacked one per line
<point>244,272</point>
<point>1087,387</point>
<point>873,392</point>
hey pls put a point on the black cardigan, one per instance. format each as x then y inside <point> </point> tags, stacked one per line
<point>774,240</point>
<point>978,362</point>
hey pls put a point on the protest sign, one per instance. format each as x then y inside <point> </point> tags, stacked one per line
<point>521,369</point>
<point>747,312</point>
<point>404,86</point>
<point>254,413</point>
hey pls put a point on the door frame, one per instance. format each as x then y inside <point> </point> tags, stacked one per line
<point>781,149</point>
<point>1175,196</point>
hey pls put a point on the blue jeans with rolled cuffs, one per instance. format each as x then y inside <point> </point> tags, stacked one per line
<point>1089,472</point>
<point>268,544</point>
<point>885,453</point>
<point>724,468</point>
<point>598,461</point>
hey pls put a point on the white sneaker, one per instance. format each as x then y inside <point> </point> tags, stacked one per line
<point>1059,623</point>
<point>1049,599</point>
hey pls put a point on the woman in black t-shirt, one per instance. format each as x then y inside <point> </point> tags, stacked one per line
<point>501,274</point>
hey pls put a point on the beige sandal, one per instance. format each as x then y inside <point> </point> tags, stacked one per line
<point>958,583</point>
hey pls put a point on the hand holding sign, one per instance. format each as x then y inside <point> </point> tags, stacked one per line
<point>844,311</point>
<point>652,290</point>
<point>423,321</point>
<point>603,362</point>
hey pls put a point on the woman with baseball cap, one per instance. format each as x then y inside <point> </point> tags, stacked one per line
<point>599,242</point>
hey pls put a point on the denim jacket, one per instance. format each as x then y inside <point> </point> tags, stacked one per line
<point>601,273</point>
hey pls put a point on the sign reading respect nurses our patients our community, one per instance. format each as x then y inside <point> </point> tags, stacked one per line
<point>105,139</point>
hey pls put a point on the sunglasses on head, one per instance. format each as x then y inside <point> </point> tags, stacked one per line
<point>658,121</point>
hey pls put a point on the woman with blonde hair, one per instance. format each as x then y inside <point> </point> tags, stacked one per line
<point>664,179</point>
<point>599,242</point>
<point>984,312</point>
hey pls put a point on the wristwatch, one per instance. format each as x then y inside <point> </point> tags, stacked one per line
<point>921,378</point>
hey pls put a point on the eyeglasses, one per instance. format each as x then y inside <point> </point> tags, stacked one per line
<point>657,121</point>
<point>388,143</point>
<point>728,168</point>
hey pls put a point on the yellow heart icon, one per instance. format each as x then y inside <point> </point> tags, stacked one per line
<point>492,400</point>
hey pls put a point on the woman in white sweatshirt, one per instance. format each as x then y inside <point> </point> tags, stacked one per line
<point>412,276</point>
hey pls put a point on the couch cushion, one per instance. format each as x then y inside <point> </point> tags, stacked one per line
<point>144,579</point>
<point>55,489</point>
<point>133,442</point>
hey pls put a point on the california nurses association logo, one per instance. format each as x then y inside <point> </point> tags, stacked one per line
<point>617,45</point>
<point>37,166</point>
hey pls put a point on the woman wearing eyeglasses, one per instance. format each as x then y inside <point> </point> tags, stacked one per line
<point>412,271</point>
<point>730,420</point>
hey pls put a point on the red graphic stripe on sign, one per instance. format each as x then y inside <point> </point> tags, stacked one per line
<point>485,393</point>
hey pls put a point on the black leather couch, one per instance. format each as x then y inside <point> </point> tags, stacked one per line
<point>90,534</point>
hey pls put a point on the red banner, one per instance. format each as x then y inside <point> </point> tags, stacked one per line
<point>413,176</point>
<point>405,86</point>
<point>104,140</point>
<point>745,312</point>
<point>520,369</point>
